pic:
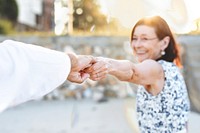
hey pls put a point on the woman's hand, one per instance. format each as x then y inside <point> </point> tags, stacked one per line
<point>98,70</point>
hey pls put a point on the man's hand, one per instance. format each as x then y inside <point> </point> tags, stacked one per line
<point>78,64</point>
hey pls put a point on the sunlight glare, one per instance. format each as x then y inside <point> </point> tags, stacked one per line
<point>104,7</point>
<point>92,28</point>
<point>180,18</point>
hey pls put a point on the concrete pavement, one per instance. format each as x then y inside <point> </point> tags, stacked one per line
<point>76,116</point>
<point>69,116</point>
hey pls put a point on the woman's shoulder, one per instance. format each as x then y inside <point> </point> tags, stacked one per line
<point>170,69</point>
<point>167,64</point>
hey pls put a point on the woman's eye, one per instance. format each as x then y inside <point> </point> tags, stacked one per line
<point>144,38</point>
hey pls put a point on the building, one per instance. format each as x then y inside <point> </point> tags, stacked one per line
<point>35,15</point>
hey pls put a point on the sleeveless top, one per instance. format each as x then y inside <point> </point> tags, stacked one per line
<point>168,111</point>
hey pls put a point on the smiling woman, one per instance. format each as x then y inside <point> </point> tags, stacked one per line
<point>162,98</point>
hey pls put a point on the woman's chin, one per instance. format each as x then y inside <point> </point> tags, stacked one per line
<point>140,59</point>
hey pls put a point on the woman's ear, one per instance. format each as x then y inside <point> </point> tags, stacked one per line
<point>165,43</point>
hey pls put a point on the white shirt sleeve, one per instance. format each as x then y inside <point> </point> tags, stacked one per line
<point>29,72</point>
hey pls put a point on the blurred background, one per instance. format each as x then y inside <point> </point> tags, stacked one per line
<point>98,28</point>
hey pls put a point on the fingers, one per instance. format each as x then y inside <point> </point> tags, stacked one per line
<point>85,61</point>
<point>84,76</point>
<point>78,77</point>
<point>88,66</point>
<point>98,71</point>
<point>98,76</point>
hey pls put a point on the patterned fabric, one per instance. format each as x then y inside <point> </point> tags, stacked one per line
<point>168,111</point>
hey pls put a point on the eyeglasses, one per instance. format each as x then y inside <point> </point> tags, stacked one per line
<point>142,39</point>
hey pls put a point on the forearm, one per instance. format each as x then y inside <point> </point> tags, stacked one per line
<point>121,69</point>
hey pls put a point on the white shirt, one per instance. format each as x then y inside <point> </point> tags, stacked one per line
<point>28,72</point>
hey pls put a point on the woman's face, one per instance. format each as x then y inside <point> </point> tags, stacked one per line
<point>145,43</point>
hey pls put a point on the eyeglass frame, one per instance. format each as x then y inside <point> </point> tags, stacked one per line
<point>143,39</point>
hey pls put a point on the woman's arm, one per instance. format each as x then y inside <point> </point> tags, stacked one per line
<point>149,72</point>
<point>124,70</point>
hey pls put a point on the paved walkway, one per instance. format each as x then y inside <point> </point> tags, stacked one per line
<point>68,116</point>
<point>72,116</point>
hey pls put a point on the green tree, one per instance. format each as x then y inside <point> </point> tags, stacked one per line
<point>87,14</point>
<point>8,16</point>
<point>8,10</point>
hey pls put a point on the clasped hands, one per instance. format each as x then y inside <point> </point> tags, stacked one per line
<point>84,66</point>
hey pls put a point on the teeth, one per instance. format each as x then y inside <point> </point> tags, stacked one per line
<point>140,52</point>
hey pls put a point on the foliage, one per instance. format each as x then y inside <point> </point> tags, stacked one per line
<point>6,27</point>
<point>8,10</point>
<point>87,15</point>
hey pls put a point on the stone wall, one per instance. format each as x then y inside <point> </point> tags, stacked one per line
<point>118,48</point>
<point>113,47</point>
<point>191,62</point>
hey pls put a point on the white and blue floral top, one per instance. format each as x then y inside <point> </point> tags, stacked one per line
<point>168,111</point>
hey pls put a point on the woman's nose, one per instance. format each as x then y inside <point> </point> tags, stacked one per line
<point>136,43</point>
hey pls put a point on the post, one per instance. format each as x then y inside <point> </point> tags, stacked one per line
<point>70,23</point>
